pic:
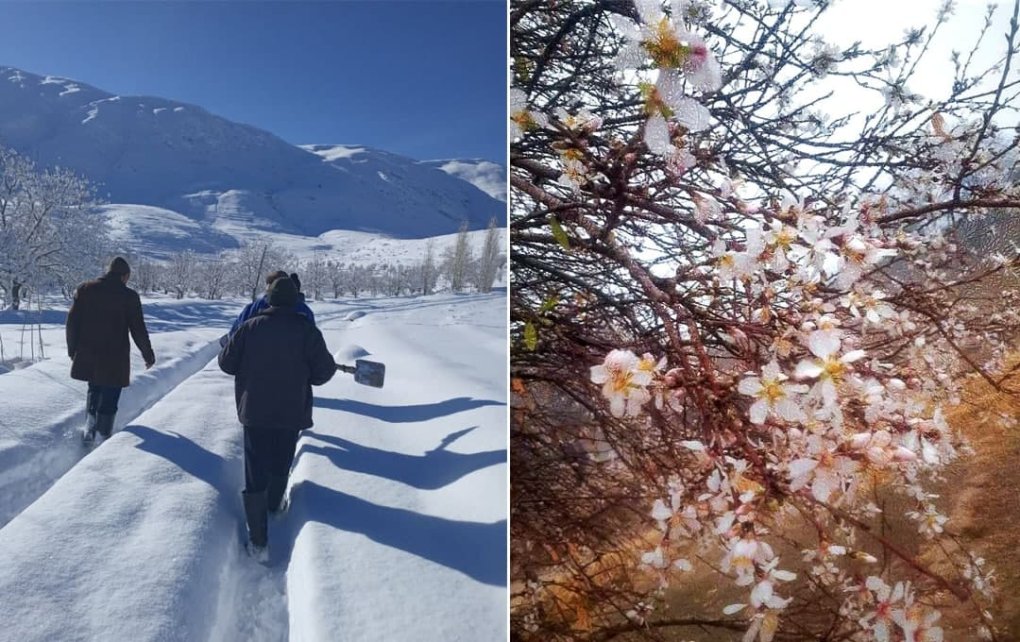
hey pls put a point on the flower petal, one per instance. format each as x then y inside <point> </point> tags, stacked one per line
<point>852,356</point>
<point>759,410</point>
<point>691,114</point>
<point>790,411</point>
<point>733,608</point>
<point>808,369</point>
<point>657,136</point>
<point>750,386</point>
<point>761,593</point>
<point>799,467</point>
<point>822,343</point>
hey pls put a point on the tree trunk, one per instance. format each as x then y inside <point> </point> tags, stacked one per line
<point>16,290</point>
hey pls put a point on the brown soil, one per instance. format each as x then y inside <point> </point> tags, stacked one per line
<point>983,493</point>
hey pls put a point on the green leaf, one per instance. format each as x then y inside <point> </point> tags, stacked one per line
<point>521,69</point>
<point>558,233</point>
<point>549,304</point>
<point>530,336</point>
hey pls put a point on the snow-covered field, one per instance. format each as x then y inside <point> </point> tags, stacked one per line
<point>397,524</point>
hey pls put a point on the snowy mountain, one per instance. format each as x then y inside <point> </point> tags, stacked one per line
<point>486,176</point>
<point>214,181</point>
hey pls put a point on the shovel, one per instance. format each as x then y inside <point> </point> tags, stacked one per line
<point>368,373</point>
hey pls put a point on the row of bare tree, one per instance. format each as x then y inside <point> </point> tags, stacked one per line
<point>240,272</point>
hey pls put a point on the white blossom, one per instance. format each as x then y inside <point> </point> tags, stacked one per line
<point>773,395</point>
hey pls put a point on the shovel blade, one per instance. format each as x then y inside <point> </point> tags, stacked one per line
<point>369,373</point>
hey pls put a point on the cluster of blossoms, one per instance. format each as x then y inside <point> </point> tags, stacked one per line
<point>625,379</point>
<point>683,62</point>
<point>835,416</point>
<point>804,370</point>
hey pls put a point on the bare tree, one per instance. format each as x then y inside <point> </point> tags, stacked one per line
<point>358,278</point>
<point>429,271</point>
<point>491,260</point>
<point>213,275</point>
<point>316,276</point>
<point>337,277</point>
<point>182,273</point>
<point>254,260</point>
<point>49,227</point>
<point>457,260</point>
<point>144,273</point>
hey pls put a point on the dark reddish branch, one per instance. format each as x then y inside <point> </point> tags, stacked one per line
<point>956,204</point>
<point>610,633</point>
<point>961,592</point>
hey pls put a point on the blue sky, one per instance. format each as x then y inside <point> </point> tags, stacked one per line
<point>421,78</point>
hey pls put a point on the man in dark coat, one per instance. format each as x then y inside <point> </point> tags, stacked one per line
<point>103,313</point>
<point>276,357</point>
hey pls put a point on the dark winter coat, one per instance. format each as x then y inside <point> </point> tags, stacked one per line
<point>276,358</point>
<point>102,315</point>
<point>261,304</point>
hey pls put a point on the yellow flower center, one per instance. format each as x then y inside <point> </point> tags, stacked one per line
<point>785,238</point>
<point>621,381</point>
<point>854,256</point>
<point>771,391</point>
<point>665,48</point>
<point>833,369</point>
<point>524,120</point>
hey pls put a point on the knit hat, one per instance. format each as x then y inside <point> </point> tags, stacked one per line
<point>119,267</point>
<point>283,293</point>
<point>296,280</point>
<point>272,276</point>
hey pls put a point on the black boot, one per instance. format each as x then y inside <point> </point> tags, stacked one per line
<point>104,424</point>
<point>277,488</point>
<point>88,434</point>
<point>256,516</point>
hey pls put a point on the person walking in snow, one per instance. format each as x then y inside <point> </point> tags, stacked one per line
<point>260,304</point>
<point>104,312</point>
<point>275,357</point>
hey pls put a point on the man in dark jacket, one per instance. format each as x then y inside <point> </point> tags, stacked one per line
<point>260,304</point>
<point>276,357</point>
<point>102,315</point>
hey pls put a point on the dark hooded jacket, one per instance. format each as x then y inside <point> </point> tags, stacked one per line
<point>102,315</point>
<point>276,358</point>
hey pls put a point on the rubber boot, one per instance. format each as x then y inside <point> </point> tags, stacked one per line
<point>256,516</point>
<point>104,424</point>
<point>88,433</point>
<point>277,488</point>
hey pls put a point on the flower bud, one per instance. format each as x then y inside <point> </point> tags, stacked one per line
<point>902,454</point>
<point>860,440</point>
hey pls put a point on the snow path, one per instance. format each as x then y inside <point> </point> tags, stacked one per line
<point>400,494</point>
<point>128,545</point>
<point>44,408</point>
<point>396,530</point>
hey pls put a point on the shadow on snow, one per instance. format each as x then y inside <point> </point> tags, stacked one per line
<point>185,454</point>
<point>475,549</point>
<point>435,469</point>
<point>405,414</point>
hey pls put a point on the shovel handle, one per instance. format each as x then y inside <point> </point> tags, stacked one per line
<point>347,369</point>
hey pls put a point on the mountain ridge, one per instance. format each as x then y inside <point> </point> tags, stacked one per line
<point>229,177</point>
